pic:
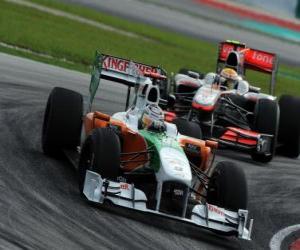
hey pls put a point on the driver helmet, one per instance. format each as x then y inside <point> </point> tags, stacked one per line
<point>152,118</point>
<point>229,78</point>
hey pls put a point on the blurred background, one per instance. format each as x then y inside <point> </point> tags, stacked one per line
<point>288,8</point>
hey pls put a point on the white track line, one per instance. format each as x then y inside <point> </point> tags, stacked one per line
<point>275,243</point>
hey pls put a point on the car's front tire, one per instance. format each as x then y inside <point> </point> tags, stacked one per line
<point>100,153</point>
<point>289,126</point>
<point>266,121</point>
<point>228,187</point>
<point>62,121</point>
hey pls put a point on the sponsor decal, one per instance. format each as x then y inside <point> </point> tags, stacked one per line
<point>226,49</point>
<point>260,59</point>
<point>124,186</point>
<point>178,168</point>
<point>175,163</point>
<point>123,66</point>
<point>215,210</point>
<point>178,192</point>
<point>193,148</point>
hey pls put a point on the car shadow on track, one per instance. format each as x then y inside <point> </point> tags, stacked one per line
<point>238,157</point>
<point>183,229</point>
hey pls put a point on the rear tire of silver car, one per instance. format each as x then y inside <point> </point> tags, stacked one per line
<point>266,121</point>
<point>228,187</point>
<point>101,154</point>
<point>289,126</point>
<point>188,128</point>
<point>62,121</point>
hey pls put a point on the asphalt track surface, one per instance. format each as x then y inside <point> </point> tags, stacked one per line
<point>40,206</point>
<point>192,19</point>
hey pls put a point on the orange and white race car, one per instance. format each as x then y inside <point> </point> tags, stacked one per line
<point>135,159</point>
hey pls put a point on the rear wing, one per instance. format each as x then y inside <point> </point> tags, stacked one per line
<point>119,70</point>
<point>249,58</point>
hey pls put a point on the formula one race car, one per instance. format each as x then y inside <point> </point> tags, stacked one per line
<point>236,114</point>
<point>136,160</point>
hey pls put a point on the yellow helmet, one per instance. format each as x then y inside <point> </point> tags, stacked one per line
<point>229,78</point>
<point>229,74</point>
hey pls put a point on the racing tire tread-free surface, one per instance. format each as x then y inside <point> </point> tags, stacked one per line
<point>101,154</point>
<point>188,128</point>
<point>266,121</point>
<point>62,121</point>
<point>228,187</point>
<point>289,126</point>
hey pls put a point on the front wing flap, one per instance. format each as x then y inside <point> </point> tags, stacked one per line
<point>246,139</point>
<point>205,215</point>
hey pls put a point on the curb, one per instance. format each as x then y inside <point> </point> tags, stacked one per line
<point>295,245</point>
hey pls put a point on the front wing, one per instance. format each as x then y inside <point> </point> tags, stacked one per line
<point>205,215</point>
<point>247,140</point>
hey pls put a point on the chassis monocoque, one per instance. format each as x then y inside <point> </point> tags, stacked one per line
<point>244,117</point>
<point>153,171</point>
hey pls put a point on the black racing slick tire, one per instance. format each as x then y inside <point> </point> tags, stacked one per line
<point>62,121</point>
<point>100,153</point>
<point>289,126</point>
<point>188,128</point>
<point>228,187</point>
<point>266,121</point>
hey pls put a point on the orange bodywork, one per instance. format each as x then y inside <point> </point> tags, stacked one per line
<point>205,150</point>
<point>133,142</point>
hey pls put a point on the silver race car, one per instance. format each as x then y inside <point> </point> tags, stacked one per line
<point>236,114</point>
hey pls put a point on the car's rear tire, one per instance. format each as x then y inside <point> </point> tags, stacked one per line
<point>100,153</point>
<point>289,126</point>
<point>228,187</point>
<point>266,121</point>
<point>62,121</point>
<point>188,128</point>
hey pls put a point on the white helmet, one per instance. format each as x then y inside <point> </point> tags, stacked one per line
<point>152,117</point>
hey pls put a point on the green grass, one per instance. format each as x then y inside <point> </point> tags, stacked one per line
<point>77,42</point>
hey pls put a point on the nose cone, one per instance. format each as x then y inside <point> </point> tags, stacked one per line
<point>174,166</point>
